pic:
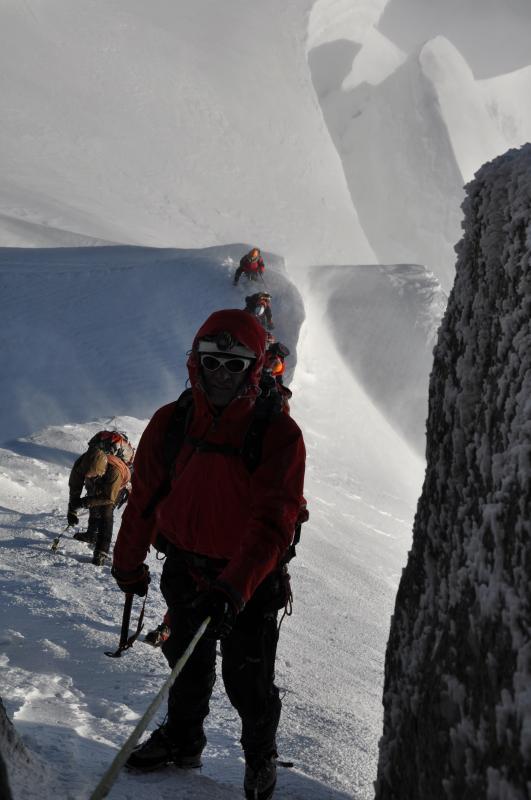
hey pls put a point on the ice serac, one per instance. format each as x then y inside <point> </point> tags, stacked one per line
<point>410,132</point>
<point>473,134</point>
<point>457,717</point>
<point>493,36</point>
<point>400,166</point>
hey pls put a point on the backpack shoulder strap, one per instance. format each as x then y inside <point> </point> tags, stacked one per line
<point>266,408</point>
<point>173,440</point>
<point>177,427</point>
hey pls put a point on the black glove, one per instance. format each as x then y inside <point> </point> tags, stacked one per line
<point>122,498</point>
<point>134,582</point>
<point>72,518</point>
<point>217,605</point>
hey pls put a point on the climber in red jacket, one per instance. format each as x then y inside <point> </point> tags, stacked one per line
<point>227,518</point>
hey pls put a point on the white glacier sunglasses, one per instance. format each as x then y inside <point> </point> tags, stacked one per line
<point>233,364</point>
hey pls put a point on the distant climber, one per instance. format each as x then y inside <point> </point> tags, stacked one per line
<point>105,477</point>
<point>259,305</point>
<point>251,265</point>
<point>275,366</point>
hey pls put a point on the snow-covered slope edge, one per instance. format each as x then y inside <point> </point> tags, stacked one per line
<point>384,323</point>
<point>458,678</point>
<point>97,331</point>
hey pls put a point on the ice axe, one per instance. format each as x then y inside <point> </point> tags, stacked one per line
<point>104,786</point>
<point>263,281</point>
<point>55,543</point>
<point>127,641</point>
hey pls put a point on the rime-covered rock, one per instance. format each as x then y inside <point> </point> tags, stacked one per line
<point>457,696</point>
<point>11,748</point>
<point>22,773</point>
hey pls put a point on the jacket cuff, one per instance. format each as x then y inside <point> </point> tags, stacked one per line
<point>130,575</point>
<point>235,598</point>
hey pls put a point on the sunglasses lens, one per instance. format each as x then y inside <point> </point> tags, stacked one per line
<point>211,363</point>
<point>234,365</point>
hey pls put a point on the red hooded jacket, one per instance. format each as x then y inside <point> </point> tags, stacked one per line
<point>248,264</point>
<point>215,507</point>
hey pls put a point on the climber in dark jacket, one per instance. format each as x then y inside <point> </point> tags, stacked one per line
<point>105,478</point>
<point>227,531</point>
<point>259,304</point>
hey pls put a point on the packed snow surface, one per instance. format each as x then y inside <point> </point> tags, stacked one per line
<point>73,705</point>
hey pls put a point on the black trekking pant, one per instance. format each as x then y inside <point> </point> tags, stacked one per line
<point>248,662</point>
<point>100,525</point>
<point>252,275</point>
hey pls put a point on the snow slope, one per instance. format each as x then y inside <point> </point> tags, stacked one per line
<point>331,20</point>
<point>73,705</point>
<point>182,125</point>
<point>98,329</point>
<point>503,97</point>
<point>384,323</point>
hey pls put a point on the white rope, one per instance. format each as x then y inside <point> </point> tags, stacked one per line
<point>105,784</point>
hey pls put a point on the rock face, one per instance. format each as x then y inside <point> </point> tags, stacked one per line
<point>10,747</point>
<point>22,774</point>
<point>457,696</point>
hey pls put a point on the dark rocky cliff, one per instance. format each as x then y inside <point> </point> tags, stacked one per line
<point>11,749</point>
<point>457,696</point>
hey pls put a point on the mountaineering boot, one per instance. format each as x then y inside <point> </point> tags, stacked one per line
<point>99,558</point>
<point>158,636</point>
<point>159,751</point>
<point>85,536</point>
<point>260,777</point>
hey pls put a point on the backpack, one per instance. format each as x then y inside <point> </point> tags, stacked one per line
<point>268,405</point>
<point>114,443</point>
<point>121,466</point>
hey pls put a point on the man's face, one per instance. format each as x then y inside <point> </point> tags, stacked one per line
<point>222,383</point>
